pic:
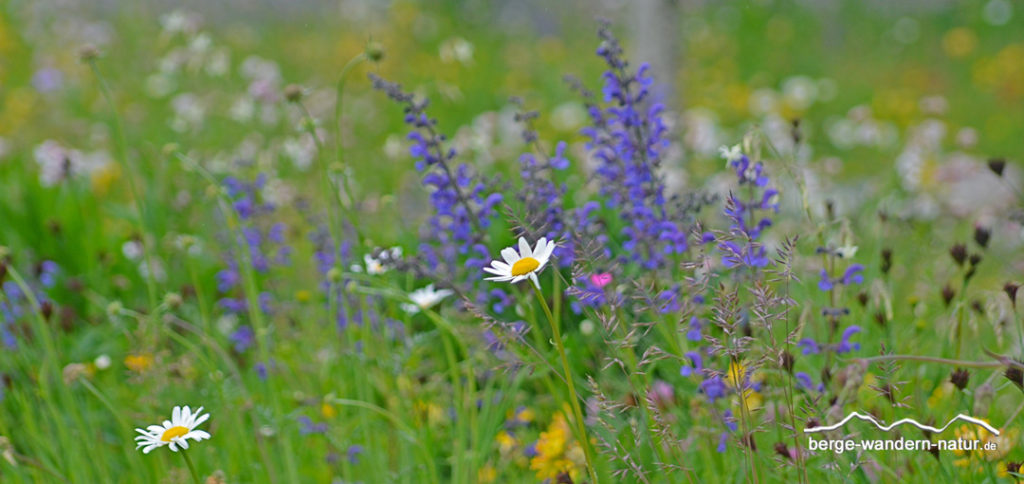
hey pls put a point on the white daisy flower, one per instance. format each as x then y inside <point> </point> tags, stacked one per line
<point>424,298</point>
<point>730,154</point>
<point>373,265</point>
<point>174,432</point>
<point>524,264</point>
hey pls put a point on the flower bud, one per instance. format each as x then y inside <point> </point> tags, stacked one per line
<point>88,52</point>
<point>293,93</point>
<point>374,51</point>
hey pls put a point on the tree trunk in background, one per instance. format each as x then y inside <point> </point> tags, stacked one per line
<point>655,26</point>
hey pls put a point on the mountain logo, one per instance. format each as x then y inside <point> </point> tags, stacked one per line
<point>908,421</point>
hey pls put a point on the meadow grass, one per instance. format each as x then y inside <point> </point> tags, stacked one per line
<point>184,222</point>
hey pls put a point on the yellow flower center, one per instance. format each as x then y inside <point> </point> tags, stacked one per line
<point>173,432</point>
<point>524,266</point>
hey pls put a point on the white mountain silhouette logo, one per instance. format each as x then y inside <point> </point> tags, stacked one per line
<point>915,423</point>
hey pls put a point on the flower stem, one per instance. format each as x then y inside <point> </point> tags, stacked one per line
<point>191,467</point>
<point>574,400</point>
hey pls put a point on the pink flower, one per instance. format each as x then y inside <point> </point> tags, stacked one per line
<point>601,279</point>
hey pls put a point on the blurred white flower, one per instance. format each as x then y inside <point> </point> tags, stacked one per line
<point>425,298</point>
<point>730,154</point>
<point>132,249</point>
<point>102,362</point>
<point>456,49</point>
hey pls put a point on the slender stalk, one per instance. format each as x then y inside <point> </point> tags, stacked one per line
<point>191,467</point>
<point>581,427</point>
<point>122,155</point>
<point>933,359</point>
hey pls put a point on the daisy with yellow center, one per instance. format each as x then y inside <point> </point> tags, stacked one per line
<point>175,432</point>
<point>521,265</point>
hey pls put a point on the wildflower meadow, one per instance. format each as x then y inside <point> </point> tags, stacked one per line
<point>651,241</point>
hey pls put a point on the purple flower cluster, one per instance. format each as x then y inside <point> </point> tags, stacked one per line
<point>852,275</point>
<point>812,347</point>
<point>627,138</point>
<point>14,300</point>
<point>463,204</point>
<point>750,216</point>
<point>262,240</point>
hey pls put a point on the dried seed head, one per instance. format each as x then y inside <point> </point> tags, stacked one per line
<point>948,294</point>
<point>46,309</point>
<point>1010,289</point>
<point>959,253</point>
<point>783,450</point>
<point>960,377</point>
<point>293,93</point>
<point>787,361</point>
<point>982,235</point>
<point>997,165</point>
<point>886,260</point>
<point>88,52</point>
<point>880,318</point>
<point>1015,375</point>
<point>862,298</point>
<point>975,259</point>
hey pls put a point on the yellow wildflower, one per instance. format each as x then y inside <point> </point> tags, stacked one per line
<point>138,363</point>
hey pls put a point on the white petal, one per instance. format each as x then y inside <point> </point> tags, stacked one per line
<point>501,266</point>
<point>549,250</point>
<point>149,449</point>
<point>176,415</point>
<point>541,244</point>
<point>533,276</point>
<point>499,279</point>
<point>173,447</point>
<point>524,248</point>
<point>198,435</point>
<point>199,420</point>
<point>183,443</point>
<point>168,424</point>
<point>510,255</point>
<point>496,271</point>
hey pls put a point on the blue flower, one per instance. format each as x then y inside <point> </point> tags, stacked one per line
<point>243,338</point>
<point>845,346</point>
<point>696,364</point>
<point>805,382</point>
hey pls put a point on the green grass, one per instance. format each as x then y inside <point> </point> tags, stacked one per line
<point>432,403</point>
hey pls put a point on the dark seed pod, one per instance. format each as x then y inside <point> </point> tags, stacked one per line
<point>997,165</point>
<point>783,450</point>
<point>960,377</point>
<point>880,318</point>
<point>982,236</point>
<point>886,260</point>
<point>948,294</point>
<point>46,309</point>
<point>1015,375</point>
<point>862,298</point>
<point>787,361</point>
<point>959,253</point>
<point>1011,290</point>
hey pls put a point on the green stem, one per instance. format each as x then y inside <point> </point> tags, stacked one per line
<point>122,155</point>
<point>574,400</point>
<point>191,467</point>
